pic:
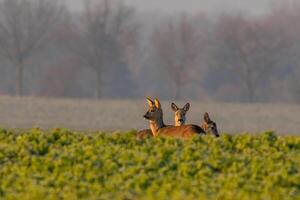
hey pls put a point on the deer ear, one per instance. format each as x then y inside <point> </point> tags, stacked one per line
<point>157,103</point>
<point>206,117</point>
<point>150,102</point>
<point>174,107</point>
<point>186,107</point>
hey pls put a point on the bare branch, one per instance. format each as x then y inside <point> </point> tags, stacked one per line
<point>25,27</point>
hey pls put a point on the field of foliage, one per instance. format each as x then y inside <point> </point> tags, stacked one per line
<point>60,164</point>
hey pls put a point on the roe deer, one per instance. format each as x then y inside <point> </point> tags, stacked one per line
<point>157,126</point>
<point>180,118</point>
<point>180,113</point>
<point>144,134</point>
<point>209,126</point>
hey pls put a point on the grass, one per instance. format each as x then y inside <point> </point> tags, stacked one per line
<point>61,164</point>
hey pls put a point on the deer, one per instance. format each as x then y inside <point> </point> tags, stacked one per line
<point>180,118</point>
<point>155,117</point>
<point>180,113</point>
<point>209,126</point>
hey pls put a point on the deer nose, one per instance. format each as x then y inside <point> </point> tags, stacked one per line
<point>216,133</point>
<point>146,116</point>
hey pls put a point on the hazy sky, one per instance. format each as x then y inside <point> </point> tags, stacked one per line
<point>170,6</point>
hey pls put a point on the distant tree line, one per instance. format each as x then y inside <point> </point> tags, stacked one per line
<point>108,50</point>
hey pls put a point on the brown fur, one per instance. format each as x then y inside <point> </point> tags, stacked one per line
<point>157,126</point>
<point>185,131</point>
<point>144,134</point>
<point>180,118</point>
<point>209,126</point>
<point>180,113</point>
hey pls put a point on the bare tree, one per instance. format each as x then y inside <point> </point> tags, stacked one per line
<point>250,49</point>
<point>177,47</point>
<point>25,28</point>
<point>104,38</point>
<point>286,16</point>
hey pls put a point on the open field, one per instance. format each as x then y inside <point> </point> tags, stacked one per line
<point>127,114</point>
<point>60,164</point>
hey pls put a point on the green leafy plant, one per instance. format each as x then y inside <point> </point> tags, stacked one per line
<point>61,164</point>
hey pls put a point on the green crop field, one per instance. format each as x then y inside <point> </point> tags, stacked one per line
<point>60,164</point>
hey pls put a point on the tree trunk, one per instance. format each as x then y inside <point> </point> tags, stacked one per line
<point>99,85</point>
<point>19,81</point>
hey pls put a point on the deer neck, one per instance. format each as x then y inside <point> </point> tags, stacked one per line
<point>177,123</point>
<point>155,125</point>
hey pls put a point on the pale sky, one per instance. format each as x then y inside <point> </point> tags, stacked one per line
<point>209,6</point>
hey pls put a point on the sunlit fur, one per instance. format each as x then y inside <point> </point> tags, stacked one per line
<point>180,119</point>
<point>157,126</point>
<point>180,113</point>
<point>209,126</point>
<point>144,134</point>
